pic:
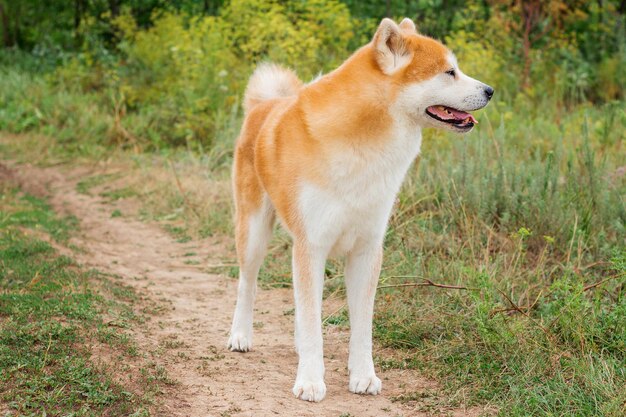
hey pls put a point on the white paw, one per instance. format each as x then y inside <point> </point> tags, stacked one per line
<point>239,342</point>
<point>309,390</point>
<point>365,385</point>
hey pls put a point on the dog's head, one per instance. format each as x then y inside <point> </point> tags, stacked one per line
<point>430,88</point>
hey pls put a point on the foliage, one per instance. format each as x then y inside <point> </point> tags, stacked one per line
<point>313,34</point>
<point>189,84</point>
<point>185,90</point>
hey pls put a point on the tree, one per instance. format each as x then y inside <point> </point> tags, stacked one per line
<point>7,39</point>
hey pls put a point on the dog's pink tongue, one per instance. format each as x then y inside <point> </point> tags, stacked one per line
<point>461,115</point>
<point>448,113</point>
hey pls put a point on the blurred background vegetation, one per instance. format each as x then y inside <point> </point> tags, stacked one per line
<point>172,72</point>
<point>526,213</point>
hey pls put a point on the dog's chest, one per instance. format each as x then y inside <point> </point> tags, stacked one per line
<point>355,205</point>
<point>366,177</point>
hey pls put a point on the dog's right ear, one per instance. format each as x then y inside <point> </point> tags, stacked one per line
<point>390,47</point>
<point>407,25</point>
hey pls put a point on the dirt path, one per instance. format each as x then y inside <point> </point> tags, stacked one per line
<point>211,380</point>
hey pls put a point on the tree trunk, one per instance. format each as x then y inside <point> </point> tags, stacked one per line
<point>526,46</point>
<point>531,15</point>
<point>6,30</point>
<point>17,33</point>
<point>114,7</point>
<point>77,14</point>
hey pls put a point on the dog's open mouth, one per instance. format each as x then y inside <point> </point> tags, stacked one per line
<point>459,119</point>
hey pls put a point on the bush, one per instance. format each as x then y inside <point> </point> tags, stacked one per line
<point>183,71</point>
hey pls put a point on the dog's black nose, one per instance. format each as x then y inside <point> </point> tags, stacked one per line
<point>488,92</point>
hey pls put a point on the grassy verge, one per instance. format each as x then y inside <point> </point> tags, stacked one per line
<point>52,320</point>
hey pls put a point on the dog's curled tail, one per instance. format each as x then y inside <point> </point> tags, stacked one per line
<point>270,81</point>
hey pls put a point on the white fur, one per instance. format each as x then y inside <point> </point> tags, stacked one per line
<point>309,385</point>
<point>356,206</point>
<point>259,234</point>
<point>270,81</point>
<point>362,271</point>
<point>349,218</point>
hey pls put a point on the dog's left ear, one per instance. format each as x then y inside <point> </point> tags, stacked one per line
<point>407,25</point>
<point>390,47</point>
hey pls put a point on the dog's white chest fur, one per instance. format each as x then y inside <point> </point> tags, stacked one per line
<point>353,210</point>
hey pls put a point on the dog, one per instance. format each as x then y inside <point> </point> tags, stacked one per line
<point>327,159</point>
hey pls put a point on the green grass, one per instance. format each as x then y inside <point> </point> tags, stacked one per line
<point>124,192</point>
<point>84,186</point>
<point>32,212</point>
<point>49,316</point>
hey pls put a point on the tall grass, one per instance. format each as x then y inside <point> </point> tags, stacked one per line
<point>528,217</point>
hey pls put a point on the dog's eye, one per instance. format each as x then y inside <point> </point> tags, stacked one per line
<point>451,72</point>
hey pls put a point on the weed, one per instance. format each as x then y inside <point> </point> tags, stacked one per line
<point>84,186</point>
<point>25,210</point>
<point>119,193</point>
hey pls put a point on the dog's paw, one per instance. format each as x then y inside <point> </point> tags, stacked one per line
<point>365,385</point>
<point>239,342</point>
<point>310,390</point>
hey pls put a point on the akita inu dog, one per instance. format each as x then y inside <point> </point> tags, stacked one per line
<point>328,158</point>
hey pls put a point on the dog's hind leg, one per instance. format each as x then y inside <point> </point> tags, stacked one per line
<point>362,271</point>
<point>253,233</point>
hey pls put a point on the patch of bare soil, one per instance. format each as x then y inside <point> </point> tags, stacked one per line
<point>192,331</point>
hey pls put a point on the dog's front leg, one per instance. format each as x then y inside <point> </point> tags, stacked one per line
<point>308,282</point>
<point>362,271</point>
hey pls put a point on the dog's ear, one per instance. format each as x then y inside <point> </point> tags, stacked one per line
<point>407,25</point>
<point>390,47</point>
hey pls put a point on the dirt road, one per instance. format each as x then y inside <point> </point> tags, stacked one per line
<point>211,380</point>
